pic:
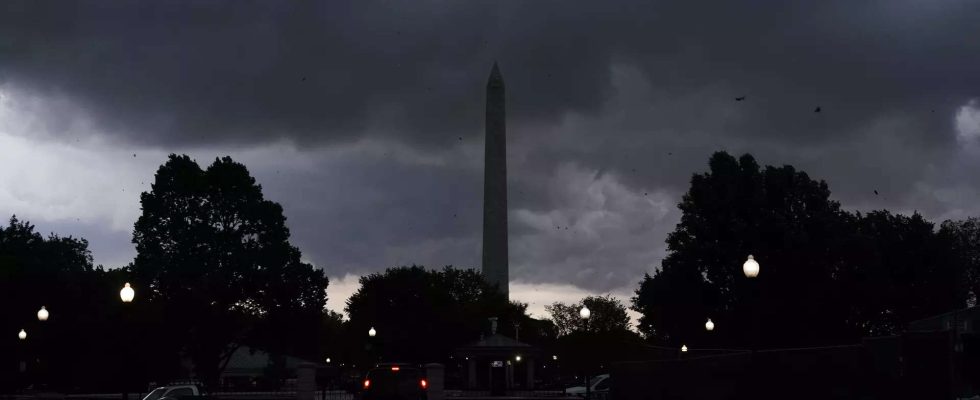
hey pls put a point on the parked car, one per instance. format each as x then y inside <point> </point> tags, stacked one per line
<point>394,382</point>
<point>174,392</point>
<point>599,386</point>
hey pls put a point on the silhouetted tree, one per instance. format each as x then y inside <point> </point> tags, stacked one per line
<point>964,237</point>
<point>589,346</point>
<point>78,346</point>
<point>216,255</point>
<point>608,314</point>
<point>332,338</point>
<point>827,276</point>
<point>423,315</point>
<point>779,215</point>
<point>898,269</point>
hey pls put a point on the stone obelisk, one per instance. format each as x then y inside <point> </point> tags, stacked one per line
<point>495,267</point>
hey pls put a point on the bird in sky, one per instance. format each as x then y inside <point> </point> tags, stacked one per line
<point>740,98</point>
<point>817,110</point>
<point>876,192</point>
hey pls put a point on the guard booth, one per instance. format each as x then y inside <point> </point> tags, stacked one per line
<point>499,363</point>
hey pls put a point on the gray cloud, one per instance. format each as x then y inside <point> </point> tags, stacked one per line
<point>612,107</point>
<point>209,72</point>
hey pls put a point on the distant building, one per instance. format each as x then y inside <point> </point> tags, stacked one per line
<point>499,363</point>
<point>251,368</point>
<point>248,366</point>
<point>961,347</point>
<point>967,319</point>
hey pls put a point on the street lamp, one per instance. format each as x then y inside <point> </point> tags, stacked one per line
<point>585,314</point>
<point>554,358</point>
<point>372,332</point>
<point>684,348</point>
<point>328,360</point>
<point>22,335</point>
<point>127,294</point>
<point>518,358</point>
<point>709,326</point>
<point>42,314</point>
<point>750,267</point>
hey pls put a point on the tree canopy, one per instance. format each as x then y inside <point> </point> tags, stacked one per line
<point>827,275</point>
<point>423,315</point>
<point>78,344</point>
<point>608,314</point>
<point>217,256</point>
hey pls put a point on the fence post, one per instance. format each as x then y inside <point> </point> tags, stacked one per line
<point>435,376</point>
<point>306,381</point>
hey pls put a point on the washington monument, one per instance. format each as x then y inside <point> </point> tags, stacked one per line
<point>495,267</point>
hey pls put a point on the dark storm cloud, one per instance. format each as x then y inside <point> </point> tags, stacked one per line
<point>610,104</point>
<point>186,73</point>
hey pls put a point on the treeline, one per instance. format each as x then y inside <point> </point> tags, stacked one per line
<point>215,271</point>
<point>827,276</point>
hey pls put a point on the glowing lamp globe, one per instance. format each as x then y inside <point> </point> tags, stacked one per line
<point>127,293</point>
<point>684,348</point>
<point>372,332</point>
<point>750,268</point>
<point>585,313</point>
<point>42,314</point>
<point>710,326</point>
<point>22,335</point>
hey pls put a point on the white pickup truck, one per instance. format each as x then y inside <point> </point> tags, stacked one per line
<point>173,392</point>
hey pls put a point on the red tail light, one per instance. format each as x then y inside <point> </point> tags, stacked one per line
<point>367,383</point>
<point>396,369</point>
<point>424,383</point>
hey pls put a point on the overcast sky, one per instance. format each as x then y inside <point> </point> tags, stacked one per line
<point>364,119</point>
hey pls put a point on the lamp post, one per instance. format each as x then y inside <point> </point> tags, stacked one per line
<point>42,360</point>
<point>709,326</point>
<point>751,270</point>
<point>371,346</point>
<point>127,295</point>
<point>585,314</point>
<point>22,336</point>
